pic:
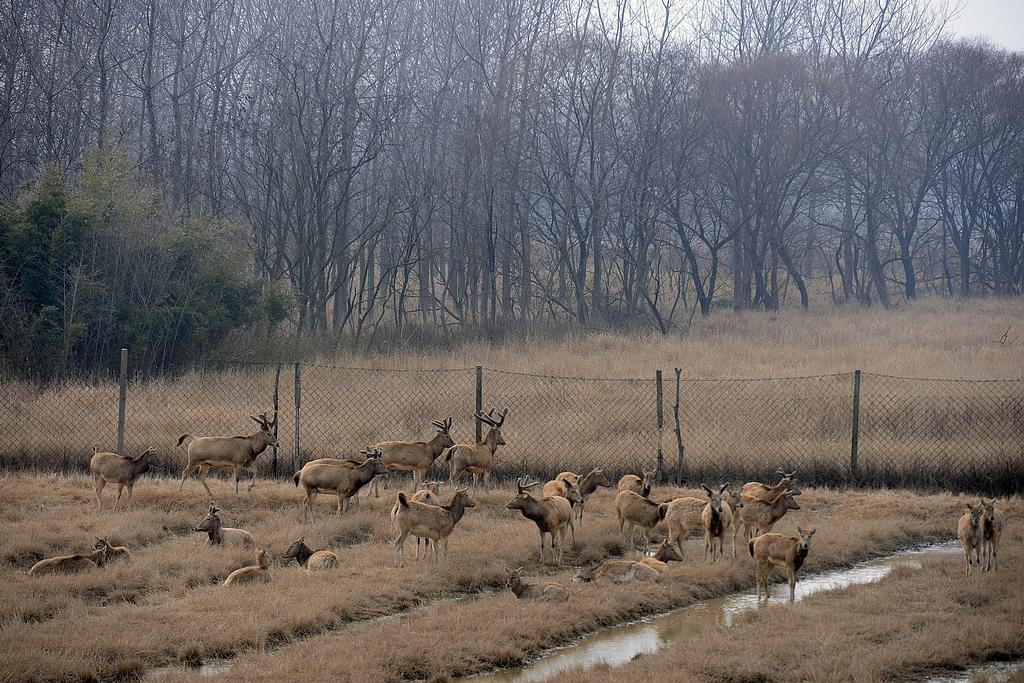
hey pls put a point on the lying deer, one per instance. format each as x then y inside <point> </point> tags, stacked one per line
<point>222,535</point>
<point>549,592</point>
<point>308,558</point>
<point>259,572</point>
<point>70,564</point>
<point>237,452</point>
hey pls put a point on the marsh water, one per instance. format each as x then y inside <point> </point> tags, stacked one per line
<point>617,645</point>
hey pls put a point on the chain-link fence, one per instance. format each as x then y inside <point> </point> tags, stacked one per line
<point>841,429</point>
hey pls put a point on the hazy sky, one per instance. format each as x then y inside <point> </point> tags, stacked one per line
<point>1002,21</point>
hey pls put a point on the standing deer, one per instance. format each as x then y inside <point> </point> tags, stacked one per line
<point>122,470</point>
<point>237,452</point>
<point>477,458</point>
<point>415,456</point>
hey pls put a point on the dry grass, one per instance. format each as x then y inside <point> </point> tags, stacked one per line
<point>911,432</point>
<point>166,606</point>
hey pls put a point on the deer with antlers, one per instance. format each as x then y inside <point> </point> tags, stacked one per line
<point>237,452</point>
<point>415,456</point>
<point>477,458</point>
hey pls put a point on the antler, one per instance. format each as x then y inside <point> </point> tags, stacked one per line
<point>442,425</point>
<point>214,509</point>
<point>489,418</point>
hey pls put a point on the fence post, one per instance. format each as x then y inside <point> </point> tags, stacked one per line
<point>121,401</point>
<point>855,437</point>
<point>479,402</point>
<point>661,422</point>
<point>296,455</point>
<point>679,435</point>
<point>277,403</point>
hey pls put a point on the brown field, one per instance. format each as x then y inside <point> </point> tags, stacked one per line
<point>932,434</point>
<point>166,607</point>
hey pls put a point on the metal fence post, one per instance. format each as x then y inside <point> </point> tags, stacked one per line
<point>277,403</point>
<point>855,437</point>
<point>121,401</point>
<point>679,434</point>
<point>479,402</point>
<point>296,455</point>
<point>661,422</point>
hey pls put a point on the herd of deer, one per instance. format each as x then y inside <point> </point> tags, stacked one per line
<point>557,510</point>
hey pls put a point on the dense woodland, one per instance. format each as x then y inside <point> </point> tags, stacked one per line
<point>177,172</point>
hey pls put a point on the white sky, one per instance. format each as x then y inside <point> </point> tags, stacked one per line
<point>1001,21</point>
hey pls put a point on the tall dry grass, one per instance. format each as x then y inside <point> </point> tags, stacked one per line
<point>912,432</point>
<point>167,606</point>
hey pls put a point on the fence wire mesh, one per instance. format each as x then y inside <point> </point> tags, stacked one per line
<point>742,429</point>
<point>950,434</point>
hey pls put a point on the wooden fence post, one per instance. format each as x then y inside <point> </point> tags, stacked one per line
<point>661,422</point>
<point>679,435</point>
<point>122,401</point>
<point>479,402</point>
<point>297,454</point>
<point>277,402</point>
<point>855,437</point>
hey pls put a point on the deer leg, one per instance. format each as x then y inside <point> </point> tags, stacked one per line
<point>572,528</point>
<point>445,542</point>
<point>542,547</point>
<point>399,544</point>
<point>120,487</point>
<point>131,487</point>
<point>238,474</point>
<point>791,575</point>
<point>337,515</point>
<point>252,482</point>
<point>203,469</point>
<point>308,508</point>
<point>100,483</point>
<point>184,474</point>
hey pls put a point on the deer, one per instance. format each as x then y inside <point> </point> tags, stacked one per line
<point>970,531</point>
<point>716,518</point>
<point>237,452</point>
<point>551,514</point>
<point>682,516</point>
<point>70,564</point>
<point>218,534</point>
<point>759,518</point>
<point>435,522</point>
<point>337,477</point>
<point>428,494</point>
<point>639,511</point>
<point>755,491</point>
<point>123,470</point>
<point>779,550</point>
<point>991,530</point>
<point>620,571</point>
<point>666,552</point>
<point>306,557</point>
<point>638,485</point>
<point>478,458</point>
<point>253,573</point>
<point>568,490</point>
<point>549,592</point>
<point>112,552</point>
<point>415,456</point>
<point>587,485</point>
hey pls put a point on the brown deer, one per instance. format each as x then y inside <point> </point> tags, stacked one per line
<point>113,468</point>
<point>551,514</point>
<point>237,452</point>
<point>337,477</point>
<point>759,518</point>
<point>218,534</point>
<point>991,531</point>
<point>716,518</point>
<point>639,511</point>
<point>587,485</point>
<point>415,456</point>
<point>550,592</point>
<point>970,531</point>
<point>112,552</point>
<point>305,556</point>
<point>435,522</point>
<point>259,572</point>
<point>779,550</point>
<point>755,491</point>
<point>478,458</point>
<point>70,564</point>
<point>638,485</point>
